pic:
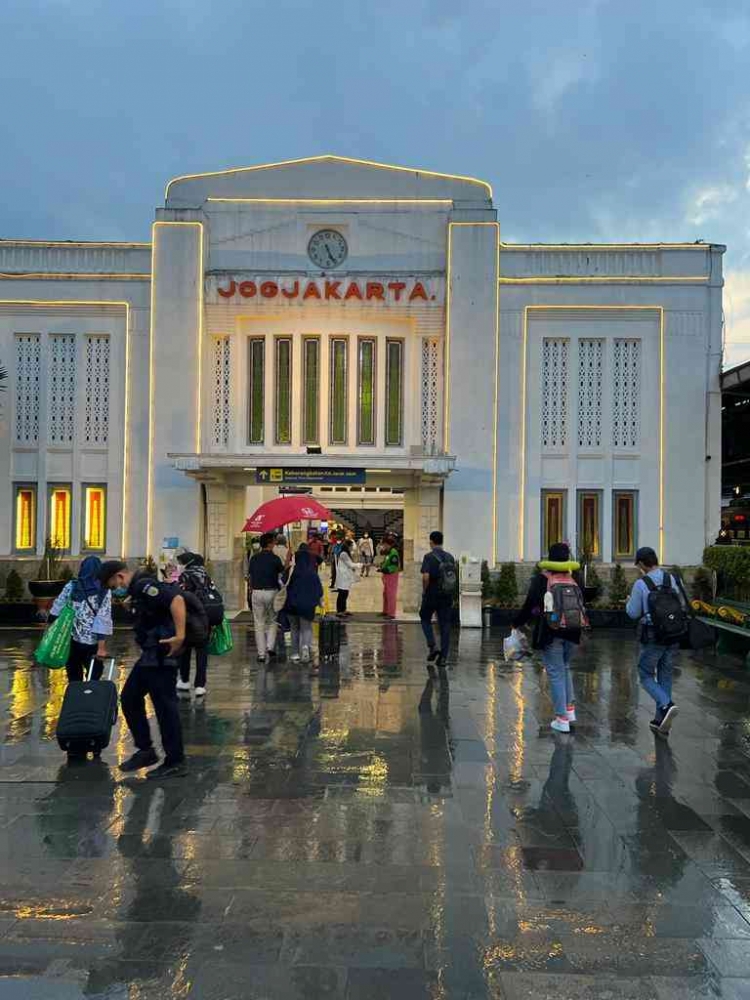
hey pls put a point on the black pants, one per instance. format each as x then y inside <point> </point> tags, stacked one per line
<point>444,612</point>
<point>201,665</point>
<point>342,596</point>
<point>159,681</point>
<point>79,660</point>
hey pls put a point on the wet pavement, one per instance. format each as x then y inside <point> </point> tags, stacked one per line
<point>371,833</point>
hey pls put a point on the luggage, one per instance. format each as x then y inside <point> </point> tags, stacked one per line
<point>88,713</point>
<point>329,637</point>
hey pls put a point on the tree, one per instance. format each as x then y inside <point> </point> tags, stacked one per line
<point>506,587</point>
<point>618,587</point>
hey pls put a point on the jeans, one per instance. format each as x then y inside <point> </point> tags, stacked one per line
<point>159,681</point>
<point>265,620</point>
<point>302,636</point>
<point>201,665</point>
<point>444,612</point>
<point>342,597</point>
<point>556,659</point>
<point>655,668</point>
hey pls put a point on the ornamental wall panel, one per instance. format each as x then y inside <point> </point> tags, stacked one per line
<point>61,384</point>
<point>626,394</point>
<point>221,373</point>
<point>554,391</point>
<point>590,392</point>
<point>28,375</point>
<point>97,392</point>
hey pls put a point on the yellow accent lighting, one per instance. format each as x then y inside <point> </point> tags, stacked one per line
<point>618,279</point>
<point>71,276</point>
<point>25,519</point>
<point>95,517</point>
<point>59,517</point>
<point>319,159</point>
<point>334,201</point>
<point>71,243</point>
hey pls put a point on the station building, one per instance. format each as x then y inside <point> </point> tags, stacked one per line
<point>361,328</point>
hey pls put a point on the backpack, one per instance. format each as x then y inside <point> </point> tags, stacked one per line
<point>447,577</point>
<point>201,584</point>
<point>197,628</point>
<point>669,621</point>
<point>563,603</point>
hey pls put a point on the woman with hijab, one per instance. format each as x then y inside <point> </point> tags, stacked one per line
<point>303,595</point>
<point>92,603</point>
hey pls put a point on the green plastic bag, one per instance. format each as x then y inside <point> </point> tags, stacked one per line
<point>54,649</point>
<point>221,640</point>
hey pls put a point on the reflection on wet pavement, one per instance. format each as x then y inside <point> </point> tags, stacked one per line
<point>377,831</point>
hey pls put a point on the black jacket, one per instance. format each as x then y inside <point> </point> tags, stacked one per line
<point>532,610</point>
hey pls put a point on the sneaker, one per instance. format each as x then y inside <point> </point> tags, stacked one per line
<point>200,692</point>
<point>654,725</point>
<point>178,769</point>
<point>560,725</point>
<point>667,718</point>
<point>571,713</point>
<point>433,655</point>
<point>305,654</point>
<point>183,685</point>
<point>261,657</point>
<point>294,657</point>
<point>141,758</point>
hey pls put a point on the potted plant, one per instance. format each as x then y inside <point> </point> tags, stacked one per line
<point>592,584</point>
<point>47,585</point>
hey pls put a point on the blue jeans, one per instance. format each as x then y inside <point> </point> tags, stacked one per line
<point>556,658</point>
<point>655,668</point>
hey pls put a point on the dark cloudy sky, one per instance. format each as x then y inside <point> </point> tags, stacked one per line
<point>593,120</point>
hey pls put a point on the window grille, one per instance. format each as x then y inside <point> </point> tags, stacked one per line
<point>222,378</point>
<point>430,394</point>
<point>256,383</point>
<point>626,394</point>
<point>394,393</point>
<point>28,358</point>
<point>590,388</point>
<point>554,392</point>
<point>339,405</point>
<point>96,399</point>
<point>283,390</point>
<point>311,376</point>
<point>62,388</point>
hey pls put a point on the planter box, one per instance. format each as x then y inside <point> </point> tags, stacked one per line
<point>20,613</point>
<point>46,589</point>
<point>599,617</point>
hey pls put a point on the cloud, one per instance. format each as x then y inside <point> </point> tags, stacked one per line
<point>710,203</point>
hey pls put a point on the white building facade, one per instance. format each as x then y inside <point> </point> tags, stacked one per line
<point>361,320</point>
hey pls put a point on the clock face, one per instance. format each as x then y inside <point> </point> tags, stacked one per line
<point>327,249</point>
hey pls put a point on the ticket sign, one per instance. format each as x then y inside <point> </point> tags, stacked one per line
<point>310,477</point>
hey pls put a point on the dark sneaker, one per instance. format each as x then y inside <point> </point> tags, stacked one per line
<point>654,725</point>
<point>441,661</point>
<point>141,758</point>
<point>433,655</point>
<point>177,769</point>
<point>667,718</point>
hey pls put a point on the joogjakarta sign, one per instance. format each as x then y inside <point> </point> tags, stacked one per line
<point>387,291</point>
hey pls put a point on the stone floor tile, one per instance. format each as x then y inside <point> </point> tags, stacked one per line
<point>541,986</point>
<point>708,987</point>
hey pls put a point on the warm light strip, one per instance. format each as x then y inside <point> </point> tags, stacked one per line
<point>662,381</point>
<point>609,280</point>
<point>336,201</point>
<point>319,159</point>
<point>577,247</point>
<point>55,303</point>
<point>151,390</point>
<point>70,243</point>
<point>496,404</point>
<point>70,276</point>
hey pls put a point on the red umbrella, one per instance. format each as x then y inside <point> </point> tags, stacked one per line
<point>283,510</point>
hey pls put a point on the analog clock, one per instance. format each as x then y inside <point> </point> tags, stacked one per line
<point>327,248</point>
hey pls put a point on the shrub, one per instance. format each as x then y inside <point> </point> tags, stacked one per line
<point>66,574</point>
<point>618,586</point>
<point>702,587</point>
<point>15,588</point>
<point>486,581</point>
<point>150,566</point>
<point>732,564</point>
<point>506,588</point>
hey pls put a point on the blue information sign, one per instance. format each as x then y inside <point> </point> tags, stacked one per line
<point>310,477</point>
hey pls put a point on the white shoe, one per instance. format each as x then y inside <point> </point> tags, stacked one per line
<point>571,713</point>
<point>200,692</point>
<point>560,725</point>
<point>305,654</point>
<point>183,685</point>
<point>294,657</point>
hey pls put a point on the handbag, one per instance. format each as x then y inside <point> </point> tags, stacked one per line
<point>279,598</point>
<point>221,641</point>
<point>54,649</point>
<point>699,635</point>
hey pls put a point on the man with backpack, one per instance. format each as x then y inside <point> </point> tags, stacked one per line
<point>439,585</point>
<point>655,603</point>
<point>555,603</point>
<point>194,579</point>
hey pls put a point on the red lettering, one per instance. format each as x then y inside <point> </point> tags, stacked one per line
<point>375,291</point>
<point>312,291</point>
<point>332,289</point>
<point>228,292</point>
<point>418,292</point>
<point>269,289</point>
<point>353,291</point>
<point>248,289</point>
<point>291,293</point>
<point>397,287</point>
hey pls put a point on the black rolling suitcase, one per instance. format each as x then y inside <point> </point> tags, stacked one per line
<point>88,713</point>
<point>329,637</point>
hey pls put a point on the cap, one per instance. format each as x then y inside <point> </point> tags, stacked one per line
<point>647,555</point>
<point>109,568</point>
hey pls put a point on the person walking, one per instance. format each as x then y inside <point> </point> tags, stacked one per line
<point>366,554</point>
<point>439,584</point>
<point>264,573</point>
<point>194,579</point>
<point>654,603</point>
<point>346,577</point>
<point>316,549</point>
<point>304,594</point>
<point>282,550</point>
<point>390,569</point>
<point>92,604</point>
<point>160,631</point>
<point>555,642</point>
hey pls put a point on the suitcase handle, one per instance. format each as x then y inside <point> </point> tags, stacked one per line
<point>109,669</point>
